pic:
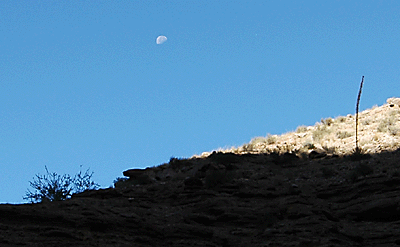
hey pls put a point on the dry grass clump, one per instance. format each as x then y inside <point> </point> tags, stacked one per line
<point>343,134</point>
<point>389,123</point>
<point>270,139</point>
<point>301,129</point>
<point>328,121</point>
<point>394,130</point>
<point>366,122</point>
<point>309,145</point>
<point>321,132</point>
<point>382,127</point>
<point>258,142</point>
<point>341,119</point>
<point>330,149</point>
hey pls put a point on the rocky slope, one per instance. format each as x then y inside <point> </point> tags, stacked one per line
<point>226,200</point>
<point>265,197</point>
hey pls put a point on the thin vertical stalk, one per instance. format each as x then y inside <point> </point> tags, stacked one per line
<point>358,103</point>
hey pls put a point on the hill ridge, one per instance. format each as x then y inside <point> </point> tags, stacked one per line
<point>228,199</point>
<point>379,130</point>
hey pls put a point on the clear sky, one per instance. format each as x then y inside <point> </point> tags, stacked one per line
<point>84,82</point>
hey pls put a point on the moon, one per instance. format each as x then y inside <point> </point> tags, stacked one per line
<point>161,39</point>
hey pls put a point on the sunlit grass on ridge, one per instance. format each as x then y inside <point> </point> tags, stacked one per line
<point>378,130</point>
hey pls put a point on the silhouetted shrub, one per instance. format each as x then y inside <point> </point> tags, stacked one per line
<point>121,183</point>
<point>178,163</point>
<point>54,187</point>
<point>359,154</point>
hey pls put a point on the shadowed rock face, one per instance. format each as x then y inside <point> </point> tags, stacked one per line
<point>226,200</point>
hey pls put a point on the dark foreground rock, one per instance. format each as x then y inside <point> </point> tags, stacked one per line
<point>226,200</point>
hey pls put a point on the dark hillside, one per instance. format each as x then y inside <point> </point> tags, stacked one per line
<point>226,200</point>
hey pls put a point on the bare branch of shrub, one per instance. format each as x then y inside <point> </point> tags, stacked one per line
<point>54,187</point>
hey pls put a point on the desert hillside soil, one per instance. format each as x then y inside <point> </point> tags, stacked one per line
<point>378,130</point>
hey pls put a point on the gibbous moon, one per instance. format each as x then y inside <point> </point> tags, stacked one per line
<point>161,39</point>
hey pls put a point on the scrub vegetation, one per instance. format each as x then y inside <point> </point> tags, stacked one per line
<point>55,187</point>
<point>378,129</point>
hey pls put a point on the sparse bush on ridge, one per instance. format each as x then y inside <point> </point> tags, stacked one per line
<point>391,120</point>
<point>342,119</point>
<point>258,139</point>
<point>54,187</point>
<point>382,127</point>
<point>301,129</point>
<point>287,148</point>
<point>247,148</point>
<point>327,121</point>
<point>271,139</point>
<point>343,134</point>
<point>319,133</point>
<point>309,145</point>
<point>394,113</point>
<point>130,182</point>
<point>366,122</point>
<point>330,150</point>
<point>177,163</point>
<point>337,133</point>
<point>386,124</point>
<point>393,130</point>
<point>121,182</point>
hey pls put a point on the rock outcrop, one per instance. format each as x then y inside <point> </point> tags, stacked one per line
<point>226,200</point>
<point>393,102</point>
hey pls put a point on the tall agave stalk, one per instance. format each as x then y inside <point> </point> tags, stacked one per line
<point>358,150</point>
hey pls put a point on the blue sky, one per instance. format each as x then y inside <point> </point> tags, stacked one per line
<point>83,83</point>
